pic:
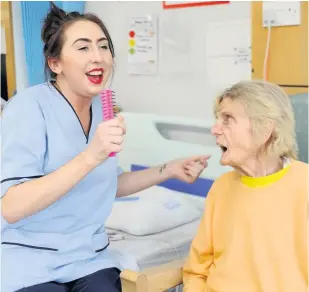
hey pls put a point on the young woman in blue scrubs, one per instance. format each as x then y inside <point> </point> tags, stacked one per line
<point>58,182</point>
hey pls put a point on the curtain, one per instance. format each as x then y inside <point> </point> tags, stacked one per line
<point>33,13</point>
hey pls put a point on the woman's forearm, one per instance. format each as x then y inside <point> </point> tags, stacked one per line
<point>28,198</point>
<point>132,182</point>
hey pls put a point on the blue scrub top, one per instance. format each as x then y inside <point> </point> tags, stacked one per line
<point>40,133</point>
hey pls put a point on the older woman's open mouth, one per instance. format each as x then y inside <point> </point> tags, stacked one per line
<point>223,148</point>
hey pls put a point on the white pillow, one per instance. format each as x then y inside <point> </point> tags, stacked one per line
<point>156,209</point>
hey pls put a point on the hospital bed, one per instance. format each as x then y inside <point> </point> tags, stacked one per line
<point>154,260</point>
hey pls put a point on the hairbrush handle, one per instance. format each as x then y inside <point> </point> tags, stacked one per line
<point>107,101</point>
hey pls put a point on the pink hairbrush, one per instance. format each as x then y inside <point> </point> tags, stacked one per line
<point>108,103</point>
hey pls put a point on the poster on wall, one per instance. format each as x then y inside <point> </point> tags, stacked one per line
<point>181,58</point>
<point>186,4</point>
<point>228,49</point>
<point>143,45</point>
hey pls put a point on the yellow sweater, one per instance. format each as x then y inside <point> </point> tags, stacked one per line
<point>253,236</point>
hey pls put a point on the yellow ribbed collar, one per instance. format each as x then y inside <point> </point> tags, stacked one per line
<point>255,182</point>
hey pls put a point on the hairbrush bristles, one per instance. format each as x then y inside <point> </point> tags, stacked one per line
<point>108,106</point>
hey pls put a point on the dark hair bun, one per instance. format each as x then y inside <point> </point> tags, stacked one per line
<point>52,22</point>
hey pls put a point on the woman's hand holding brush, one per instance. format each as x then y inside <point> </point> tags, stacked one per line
<point>107,139</point>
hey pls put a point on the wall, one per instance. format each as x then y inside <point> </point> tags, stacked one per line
<point>179,91</point>
<point>187,93</point>
<point>7,24</point>
<point>3,48</point>
<point>19,47</point>
<point>288,50</point>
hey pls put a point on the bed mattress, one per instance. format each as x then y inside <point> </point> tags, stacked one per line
<point>156,249</point>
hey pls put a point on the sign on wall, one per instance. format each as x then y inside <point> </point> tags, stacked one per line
<point>142,45</point>
<point>185,4</point>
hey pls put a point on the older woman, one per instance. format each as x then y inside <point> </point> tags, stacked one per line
<point>253,234</point>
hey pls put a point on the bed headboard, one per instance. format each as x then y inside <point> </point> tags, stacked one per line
<point>149,142</point>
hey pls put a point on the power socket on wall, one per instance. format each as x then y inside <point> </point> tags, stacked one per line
<point>281,13</point>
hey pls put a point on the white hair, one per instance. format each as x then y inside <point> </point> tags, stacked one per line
<point>265,102</point>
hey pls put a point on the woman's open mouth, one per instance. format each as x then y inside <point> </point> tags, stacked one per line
<point>95,76</point>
